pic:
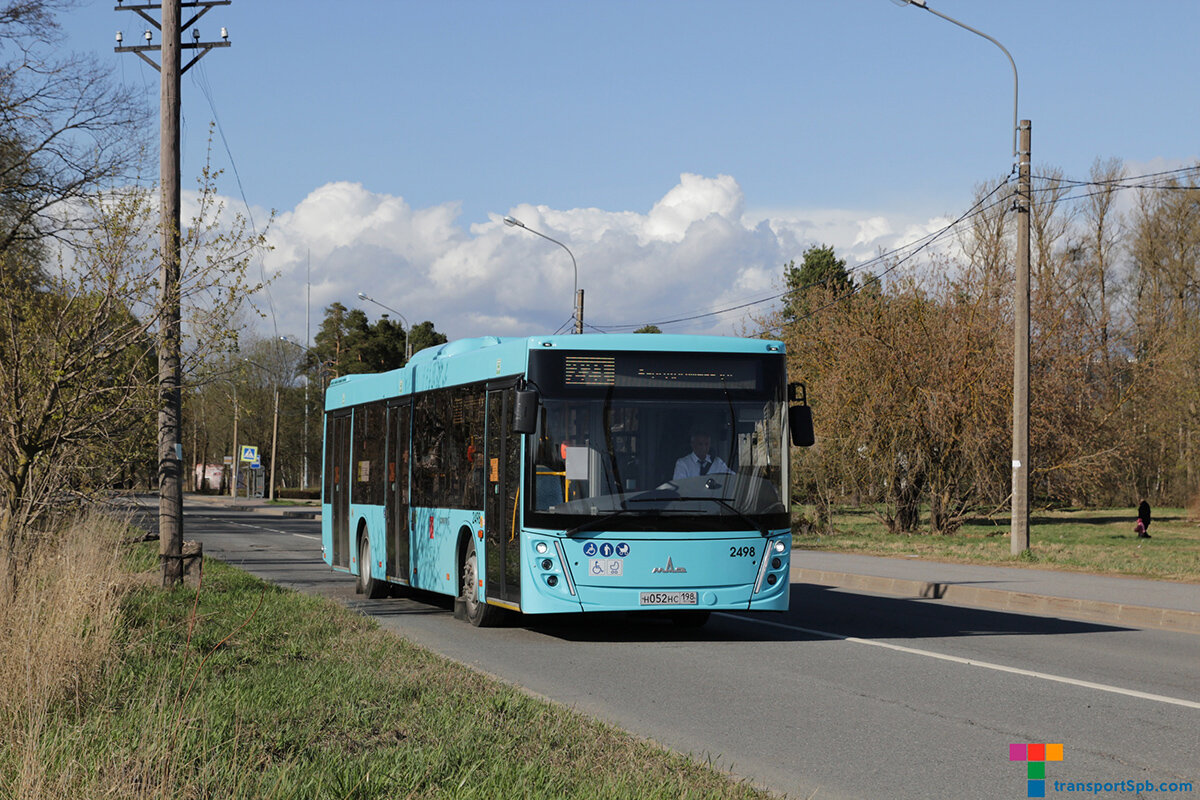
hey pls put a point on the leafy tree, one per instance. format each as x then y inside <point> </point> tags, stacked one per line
<point>350,343</point>
<point>649,329</point>
<point>425,335</point>
<point>820,269</point>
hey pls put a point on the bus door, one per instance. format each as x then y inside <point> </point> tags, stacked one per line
<point>501,520</point>
<point>396,502</point>
<point>339,474</point>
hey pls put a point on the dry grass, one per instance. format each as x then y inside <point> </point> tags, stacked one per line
<point>57,627</point>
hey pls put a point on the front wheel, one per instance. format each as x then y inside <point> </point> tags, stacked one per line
<point>478,613</point>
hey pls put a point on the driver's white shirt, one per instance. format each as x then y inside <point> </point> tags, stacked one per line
<point>689,466</point>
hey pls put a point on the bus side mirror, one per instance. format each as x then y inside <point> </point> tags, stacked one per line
<point>801,423</point>
<point>800,416</point>
<point>525,411</point>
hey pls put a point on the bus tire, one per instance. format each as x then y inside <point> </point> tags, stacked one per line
<point>478,612</point>
<point>372,588</point>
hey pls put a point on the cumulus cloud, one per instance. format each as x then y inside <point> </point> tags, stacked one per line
<point>696,251</point>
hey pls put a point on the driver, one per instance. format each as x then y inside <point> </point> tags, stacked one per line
<point>699,461</point>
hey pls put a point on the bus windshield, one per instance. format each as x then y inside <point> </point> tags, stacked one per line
<point>658,441</point>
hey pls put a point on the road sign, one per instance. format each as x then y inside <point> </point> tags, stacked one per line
<point>228,461</point>
<point>249,452</point>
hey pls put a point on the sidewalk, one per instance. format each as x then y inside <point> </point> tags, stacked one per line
<point>1135,602</point>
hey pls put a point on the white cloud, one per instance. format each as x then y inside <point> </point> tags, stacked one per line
<point>697,250</point>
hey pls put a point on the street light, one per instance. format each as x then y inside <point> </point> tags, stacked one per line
<point>576,312</point>
<point>321,367</point>
<point>407,336</point>
<point>1019,536</point>
<point>274,426</point>
<point>1013,64</point>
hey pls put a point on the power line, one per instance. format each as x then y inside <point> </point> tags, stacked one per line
<point>916,246</point>
<point>202,82</point>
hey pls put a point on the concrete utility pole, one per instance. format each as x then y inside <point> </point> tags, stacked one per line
<point>579,312</point>
<point>1019,534</point>
<point>170,379</point>
<point>1019,541</point>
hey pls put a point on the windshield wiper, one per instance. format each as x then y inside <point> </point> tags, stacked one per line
<point>762,529</point>
<point>597,522</point>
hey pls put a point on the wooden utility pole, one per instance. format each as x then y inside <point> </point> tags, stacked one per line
<point>1019,542</point>
<point>170,375</point>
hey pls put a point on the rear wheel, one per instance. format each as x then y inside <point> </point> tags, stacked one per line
<point>478,613</point>
<point>367,585</point>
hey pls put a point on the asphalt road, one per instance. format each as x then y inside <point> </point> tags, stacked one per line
<point>847,695</point>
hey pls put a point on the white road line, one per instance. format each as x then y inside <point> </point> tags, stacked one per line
<point>307,536</point>
<point>1102,687</point>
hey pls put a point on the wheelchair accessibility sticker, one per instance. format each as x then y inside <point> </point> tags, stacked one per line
<point>606,567</point>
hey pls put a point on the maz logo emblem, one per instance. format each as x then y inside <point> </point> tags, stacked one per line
<point>669,568</point>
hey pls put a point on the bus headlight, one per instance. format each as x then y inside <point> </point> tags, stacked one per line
<point>541,548</point>
<point>779,546</point>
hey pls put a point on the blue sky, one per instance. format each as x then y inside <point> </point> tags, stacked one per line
<point>682,150</point>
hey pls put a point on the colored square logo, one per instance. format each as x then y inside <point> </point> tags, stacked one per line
<point>1035,755</point>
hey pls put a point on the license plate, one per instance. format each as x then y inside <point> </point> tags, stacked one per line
<point>668,598</point>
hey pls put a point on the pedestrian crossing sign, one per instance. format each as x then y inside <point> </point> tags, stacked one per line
<point>249,452</point>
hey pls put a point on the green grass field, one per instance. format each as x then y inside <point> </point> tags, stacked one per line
<point>1098,540</point>
<point>257,692</point>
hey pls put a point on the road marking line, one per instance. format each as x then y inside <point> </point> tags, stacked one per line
<point>255,527</point>
<point>972,662</point>
<point>307,536</point>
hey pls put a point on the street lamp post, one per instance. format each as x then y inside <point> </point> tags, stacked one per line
<point>274,425</point>
<point>576,311</point>
<point>321,367</point>
<point>1019,541</point>
<point>407,336</point>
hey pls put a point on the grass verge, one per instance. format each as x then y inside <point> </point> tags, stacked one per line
<point>1099,541</point>
<point>245,690</point>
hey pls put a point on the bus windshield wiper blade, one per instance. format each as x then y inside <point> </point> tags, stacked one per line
<point>721,500</point>
<point>598,521</point>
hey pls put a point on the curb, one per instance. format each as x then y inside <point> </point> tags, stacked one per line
<point>1020,602</point>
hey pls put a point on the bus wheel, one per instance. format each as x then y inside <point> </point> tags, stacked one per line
<point>479,613</point>
<point>690,619</point>
<point>368,585</point>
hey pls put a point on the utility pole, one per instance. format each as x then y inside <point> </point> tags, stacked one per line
<point>1019,541</point>
<point>579,312</point>
<point>170,376</point>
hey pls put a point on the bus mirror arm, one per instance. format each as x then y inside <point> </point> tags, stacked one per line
<point>525,411</point>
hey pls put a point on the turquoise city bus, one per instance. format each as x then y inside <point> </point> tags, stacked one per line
<point>557,474</point>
